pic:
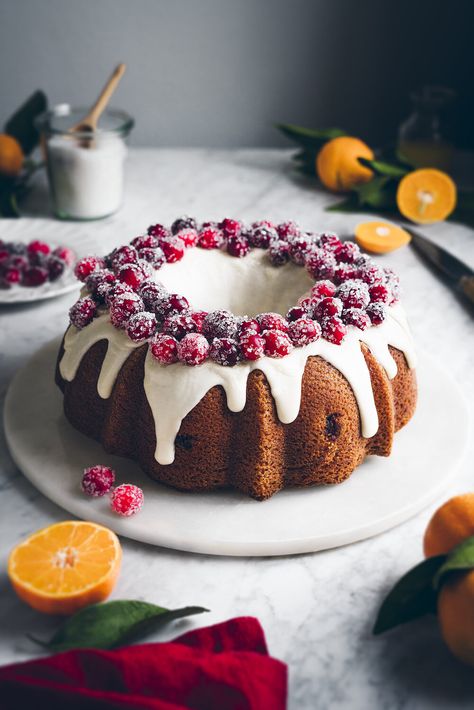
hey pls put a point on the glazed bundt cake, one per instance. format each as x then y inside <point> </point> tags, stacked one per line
<point>227,356</point>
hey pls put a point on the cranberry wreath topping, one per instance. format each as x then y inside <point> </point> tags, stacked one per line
<point>350,290</point>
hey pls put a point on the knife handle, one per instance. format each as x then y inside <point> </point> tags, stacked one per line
<point>466,287</point>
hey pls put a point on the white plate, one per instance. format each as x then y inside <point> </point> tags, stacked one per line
<point>379,495</point>
<point>55,234</point>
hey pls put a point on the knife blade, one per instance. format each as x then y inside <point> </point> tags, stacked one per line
<point>460,275</point>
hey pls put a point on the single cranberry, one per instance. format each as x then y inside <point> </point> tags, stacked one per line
<point>116,289</point>
<point>288,229</point>
<point>295,313</point>
<point>272,321</point>
<point>198,318</point>
<point>151,292</point>
<point>307,303</point>
<point>225,351</point>
<point>4,255</point>
<point>124,255</point>
<point>322,289</point>
<point>171,304</point>
<point>193,349</point>
<point>155,257</point>
<point>159,231</point>
<point>97,480</point>
<point>86,266</point>
<point>179,324</point>
<point>264,223</point>
<point>164,348</point>
<point>173,249</point>
<point>220,324</point>
<point>278,252</point>
<point>99,277</point>
<point>277,344</point>
<point>304,331</point>
<point>34,276</point>
<point>333,329</point>
<point>252,346</point>
<point>145,241</point>
<point>356,317</point>
<point>210,238</point>
<point>346,272</point>
<point>132,274</point>
<point>56,267</point>
<point>261,236</point>
<point>183,223</point>
<point>66,254</point>
<point>20,262</point>
<point>348,253</point>
<point>379,293</point>
<point>82,312</point>
<point>12,275</point>
<point>230,227</point>
<point>141,326</point>
<point>321,264</point>
<point>353,294</point>
<point>247,326</point>
<point>330,241</point>
<point>238,246</point>
<point>123,307</point>
<point>188,236</point>
<point>299,246</point>
<point>38,246</point>
<point>328,307</point>
<point>377,313</point>
<point>126,499</point>
<point>371,274</point>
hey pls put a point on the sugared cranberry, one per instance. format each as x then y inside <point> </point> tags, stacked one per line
<point>56,267</point>
<point>356,317</point>
<point>97,480</point>
<point>225,351</point>
<point>333,329</point>
<point>66,254</point>
<point>346,272</point>
<point>261,236</point>
<point>210,238</point>
<point>295,313</point>
<point>183,223</point>
<point>145,241</point>
<point>116,289</point>
<point>86,266</point>
<point>277,344</point>
<point>288,229</point>
<point>298,248</point>
<point>141,326</point>
<point>393,284</point>
<point>330,241</point>
<point>21,262</point>
<point>321,264</point>
<point>34,276</point>
<point>123,307</point>
<point>174,303</point>
<point>230,227</point>
<point>124,255</point>
<point>220,324</point>
<point>264,223</point>
<point>322,289</point>
<point>16,247</point>
<point>99,277</point>
<point>132,275</point>
<point>38,246</point>
<point>193,349</point>
<point>348,253</point>
<point>198,318</point>
<point>328,307</point>
<point>173,249</point>
<point>247,326</point>
<point>353,294</point>
<point>164,348</point>
<point>238,246</point>
<point>307,303</point>
<point>304,331</point>
<point>82,312</point>
<point>252,346</point>
<point>155,257</point>
<point>4,255</point>
<point>376,312</point>
<point>188,236</point>
<point>278,252</point>
<point>272,321</point>
<point>126,499</point>
<point>379,293</point>
<point>158,230</point>
<point>151,293</point>
<point>12,275</point>
<point>179,324</point>
<point>371,274</point>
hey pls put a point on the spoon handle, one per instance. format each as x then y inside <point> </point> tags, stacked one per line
<point>104,96</point>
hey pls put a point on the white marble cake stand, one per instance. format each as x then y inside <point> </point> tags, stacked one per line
<point>381,494</point>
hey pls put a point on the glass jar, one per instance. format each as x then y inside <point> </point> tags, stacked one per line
<point>422,138</point>
<point>85,170</point>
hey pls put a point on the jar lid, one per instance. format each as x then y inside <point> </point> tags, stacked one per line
<point>61,118</point>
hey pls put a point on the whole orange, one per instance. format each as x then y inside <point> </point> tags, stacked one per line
<point>337,163</point>
<point>11,155</point>
<point>456,615</point>
<point>450,525</point>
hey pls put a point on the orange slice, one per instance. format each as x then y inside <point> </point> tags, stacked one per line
<point>426,196</point>
<point>65,567</point>
<point>380,237</point>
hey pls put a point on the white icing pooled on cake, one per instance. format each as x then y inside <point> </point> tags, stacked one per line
<point>174,390</point>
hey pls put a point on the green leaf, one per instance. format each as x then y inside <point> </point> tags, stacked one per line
<point>413,596</point>
<point>113,624</point>
<point>21,124</point>
<point>382,168</point>
<point>460,558</point>
<point>309,136</point>
<point>379,193</point>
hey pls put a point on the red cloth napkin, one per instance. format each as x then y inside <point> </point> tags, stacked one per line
<point>219,667</point>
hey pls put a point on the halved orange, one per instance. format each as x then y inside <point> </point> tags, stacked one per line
<point>426,196</point>
<point>380,237</point>
<point>66,566</point>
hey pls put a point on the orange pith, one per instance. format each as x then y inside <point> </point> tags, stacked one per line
<point>66,566</point>
<point>426,196</point>
<point>380,237</point>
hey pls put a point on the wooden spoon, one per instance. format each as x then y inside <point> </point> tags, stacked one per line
<point>89,122</point>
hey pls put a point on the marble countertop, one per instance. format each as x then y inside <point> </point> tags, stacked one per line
<point>317,609</point>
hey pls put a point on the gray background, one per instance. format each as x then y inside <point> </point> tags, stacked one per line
<point>220,72</point>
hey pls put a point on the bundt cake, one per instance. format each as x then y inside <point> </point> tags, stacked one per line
<point>209,357</point>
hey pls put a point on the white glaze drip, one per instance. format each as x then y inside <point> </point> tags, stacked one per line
<point>174,390</point>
